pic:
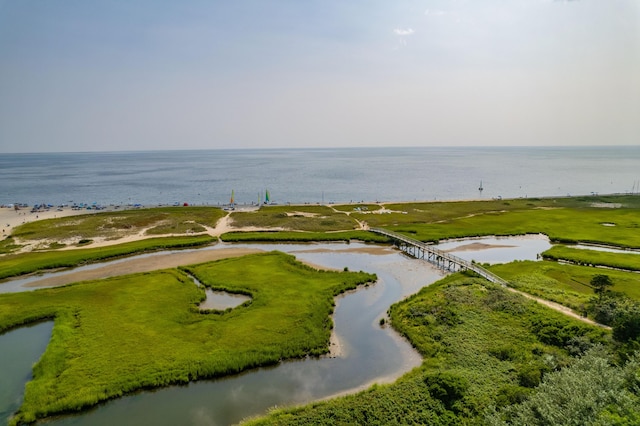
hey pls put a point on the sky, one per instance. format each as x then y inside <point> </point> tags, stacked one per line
<point>117,75</point>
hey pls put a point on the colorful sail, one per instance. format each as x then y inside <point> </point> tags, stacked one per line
<point>266,196</point>
<point>232,198</point>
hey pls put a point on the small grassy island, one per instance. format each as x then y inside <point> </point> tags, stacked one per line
<point>490,355</point>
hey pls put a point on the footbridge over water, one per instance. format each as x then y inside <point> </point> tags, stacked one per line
<point>439,258</point>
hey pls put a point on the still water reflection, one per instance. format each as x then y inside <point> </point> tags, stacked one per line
<point>19,350</point>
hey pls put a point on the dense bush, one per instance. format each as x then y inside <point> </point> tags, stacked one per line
<point>591,391</point>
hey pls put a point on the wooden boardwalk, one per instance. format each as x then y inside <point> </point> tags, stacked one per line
<point>439,258</point>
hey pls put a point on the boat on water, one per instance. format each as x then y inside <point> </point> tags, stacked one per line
<point>480,188</point>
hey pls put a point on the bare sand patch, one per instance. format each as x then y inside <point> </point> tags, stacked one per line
<point>377,250</point>
<point>304,214</point>
<point>606,205</point>
<point>143,264</point>
<point>477,247</point>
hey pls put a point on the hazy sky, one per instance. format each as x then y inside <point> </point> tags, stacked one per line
<point>83,75</point>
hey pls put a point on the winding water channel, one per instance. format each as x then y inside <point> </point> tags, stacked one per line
<point>366,353</point>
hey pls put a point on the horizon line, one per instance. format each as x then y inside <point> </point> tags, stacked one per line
<point>133,151</point>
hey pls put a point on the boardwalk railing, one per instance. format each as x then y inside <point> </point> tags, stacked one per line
<point>441,259</point>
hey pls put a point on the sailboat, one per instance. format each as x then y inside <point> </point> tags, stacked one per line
<point>266,196</point>
<point>232,201</point>
<point>480,188</point>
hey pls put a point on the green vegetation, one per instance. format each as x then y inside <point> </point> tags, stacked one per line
<point>8,245</point>
<point>490,356</point>
<point>567,220</point>
<point>126,333</point>
<point>565,284</point>
<point>484,347</point>
<point>592,391</point>
<point>365,236</point>
<point>25,263</point>
<point>628,261</point>
<point>601,284</point>
<point>301,218</point>
<point>114,225</point>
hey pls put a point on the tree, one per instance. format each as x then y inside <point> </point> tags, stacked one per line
<point>600,284</point>
<point>626,326</point>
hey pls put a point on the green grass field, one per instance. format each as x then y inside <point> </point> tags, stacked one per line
<point>123,334</point>
<point>563,220</point>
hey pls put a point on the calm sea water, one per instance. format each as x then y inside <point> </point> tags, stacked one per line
<point>316,175</point>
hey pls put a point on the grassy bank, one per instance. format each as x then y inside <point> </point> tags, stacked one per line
<point>25,263</point>
<point>627,261</point>
<point>122,334</point>
<point>303,237</point>
<point>483,346</point>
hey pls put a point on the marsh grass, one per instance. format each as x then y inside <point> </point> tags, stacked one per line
<point>482,345</point>
<point>565,284</point>
<point>122,334</point>
<point>282,236</point>
<point>113,225</point>
<point>567,220</point>
<point>301,218</point>
<point>25,263</point>
<point>627,261</point>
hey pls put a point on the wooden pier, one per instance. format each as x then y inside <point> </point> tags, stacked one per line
<point>439,258</point>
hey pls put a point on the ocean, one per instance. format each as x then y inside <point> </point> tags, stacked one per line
<point>298,176</point>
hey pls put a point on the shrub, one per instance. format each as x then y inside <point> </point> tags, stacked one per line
<point>447,387</point>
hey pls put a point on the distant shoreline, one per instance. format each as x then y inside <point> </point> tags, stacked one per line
<point>11,218</point>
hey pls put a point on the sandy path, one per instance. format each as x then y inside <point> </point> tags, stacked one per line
<point>558,307</point>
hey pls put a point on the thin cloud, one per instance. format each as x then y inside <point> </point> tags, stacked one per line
<point>436,12</point>
<point>403,32</point>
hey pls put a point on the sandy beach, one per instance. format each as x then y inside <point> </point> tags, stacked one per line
<point>10,218</point>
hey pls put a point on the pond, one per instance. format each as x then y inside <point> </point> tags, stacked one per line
<point>221,300</point>
<point>498,249</point>
<point>363,351</point>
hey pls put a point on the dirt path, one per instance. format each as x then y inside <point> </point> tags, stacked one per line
<point>560,308</point>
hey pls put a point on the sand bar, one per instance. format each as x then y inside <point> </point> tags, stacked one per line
<point>143,264</point>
